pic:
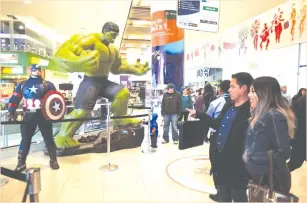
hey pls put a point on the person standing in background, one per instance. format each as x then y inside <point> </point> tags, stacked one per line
<point>208,96</point>
<point>170,110</point>
<point>301,92</point>
<point>199,100</point>
<point>298,152</point>
<point>217,105</point>
<point>214,111</point>
<point>186,103</point>
<point>284,93</point>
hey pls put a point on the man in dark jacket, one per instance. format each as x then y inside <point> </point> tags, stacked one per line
<point>231,175</point>
<point>298,152</point>
<point>170,110</point>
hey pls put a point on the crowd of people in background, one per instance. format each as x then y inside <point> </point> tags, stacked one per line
<point>247,118</point>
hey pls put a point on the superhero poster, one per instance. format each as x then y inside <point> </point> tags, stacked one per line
<point>167,49</point>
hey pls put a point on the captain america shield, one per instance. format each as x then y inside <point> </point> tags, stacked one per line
<point>53,105</point>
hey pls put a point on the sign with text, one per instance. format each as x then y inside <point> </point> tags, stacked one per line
<point>201,15</point>
<point>9,58</point>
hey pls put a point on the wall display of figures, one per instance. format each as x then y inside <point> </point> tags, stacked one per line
<point>279,27</point>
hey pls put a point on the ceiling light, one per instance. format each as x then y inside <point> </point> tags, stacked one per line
<point>21,27</point>
<point>27,1</point>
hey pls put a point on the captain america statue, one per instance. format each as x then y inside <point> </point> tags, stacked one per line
<point>33,91</point>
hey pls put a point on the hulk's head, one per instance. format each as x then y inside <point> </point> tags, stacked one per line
<point>110,31</point>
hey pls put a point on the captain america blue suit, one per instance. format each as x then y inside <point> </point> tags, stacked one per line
<point>32,91</point>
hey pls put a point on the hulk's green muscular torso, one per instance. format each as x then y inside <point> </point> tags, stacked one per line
<point>96,56</point>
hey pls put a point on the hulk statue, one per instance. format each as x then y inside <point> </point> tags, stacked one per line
<point>96,56</point>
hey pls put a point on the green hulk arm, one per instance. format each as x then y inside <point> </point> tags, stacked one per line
<point>74,56</point>
<point>121,66</point>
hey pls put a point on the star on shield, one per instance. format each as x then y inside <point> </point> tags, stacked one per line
<point>56,107</point>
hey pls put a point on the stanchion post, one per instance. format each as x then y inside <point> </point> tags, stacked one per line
<point>108,166</point>
<point>4,134</point>
<point>148,150</point>
<point>33,178</point>
<point>4,131</point>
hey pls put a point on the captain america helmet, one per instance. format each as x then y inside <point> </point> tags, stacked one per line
<point>34,67</point>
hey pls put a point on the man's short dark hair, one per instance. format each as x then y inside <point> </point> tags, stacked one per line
<point>225,85</point>
<point>243,78</point>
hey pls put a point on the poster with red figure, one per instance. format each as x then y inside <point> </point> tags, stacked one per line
<point>279,27</point>
<point>276,28</point>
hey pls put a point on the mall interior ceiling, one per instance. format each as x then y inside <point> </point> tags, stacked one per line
<point>132,16</point>
<point>137,29</point>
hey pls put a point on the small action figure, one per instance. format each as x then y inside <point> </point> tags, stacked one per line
<point>32,91</point>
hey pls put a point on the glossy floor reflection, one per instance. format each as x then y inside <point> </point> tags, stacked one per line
<point>140,178</point>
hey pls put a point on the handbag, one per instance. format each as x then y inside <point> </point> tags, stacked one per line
<point>260,193</point>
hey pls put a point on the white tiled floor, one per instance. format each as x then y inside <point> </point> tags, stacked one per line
<point>141,178</point>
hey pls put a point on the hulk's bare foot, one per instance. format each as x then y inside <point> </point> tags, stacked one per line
<point>127,122</point>
<point>66,142</point>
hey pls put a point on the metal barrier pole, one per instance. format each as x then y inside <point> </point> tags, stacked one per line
<point>148,150</point>
<point>4,131</point>
<point>33,177</point>
<point>108,166</point>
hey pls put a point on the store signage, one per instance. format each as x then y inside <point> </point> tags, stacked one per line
<point>12,70</point>
<point>9,58</point>
<point>201,15</point>
<point>39,61</point>
<point>204,72</point>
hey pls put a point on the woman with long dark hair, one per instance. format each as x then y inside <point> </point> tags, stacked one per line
<point>300,93</point>
<point>199,100</point>
<point>298,145</point>
<point>208,96</point>
<point>272,123</point>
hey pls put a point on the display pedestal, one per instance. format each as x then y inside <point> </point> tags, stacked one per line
<point>121,138</point>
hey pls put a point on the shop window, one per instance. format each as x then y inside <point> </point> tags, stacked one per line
<point>5,44</point>
<point>19,44</point>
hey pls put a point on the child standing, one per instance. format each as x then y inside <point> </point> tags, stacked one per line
<point>154,131</point>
